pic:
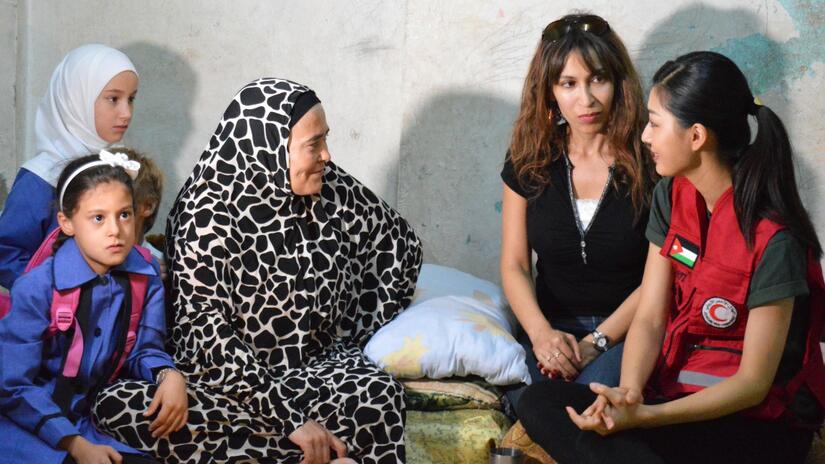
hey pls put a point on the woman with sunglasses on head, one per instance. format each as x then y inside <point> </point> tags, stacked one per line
<point>722,362</point>
<point>576,192</point>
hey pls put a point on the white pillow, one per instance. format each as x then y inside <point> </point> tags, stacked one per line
<point>435,281</point>
<point>458,325</point>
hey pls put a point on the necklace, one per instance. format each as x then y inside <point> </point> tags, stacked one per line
<point>583,230</point>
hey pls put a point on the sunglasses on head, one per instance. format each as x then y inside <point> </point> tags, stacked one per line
<point>584,23</point>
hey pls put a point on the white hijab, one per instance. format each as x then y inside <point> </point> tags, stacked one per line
<point>65,122</point>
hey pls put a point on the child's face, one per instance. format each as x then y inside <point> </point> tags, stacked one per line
<point>102,225</point>
<point>113,107</point>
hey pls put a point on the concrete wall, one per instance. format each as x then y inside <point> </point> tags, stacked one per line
<point>8,77</point>
<point>420,94</point>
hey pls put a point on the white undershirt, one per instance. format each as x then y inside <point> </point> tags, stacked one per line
<point>586,207</point>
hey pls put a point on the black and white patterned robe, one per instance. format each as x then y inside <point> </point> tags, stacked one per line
<point>274,295</point>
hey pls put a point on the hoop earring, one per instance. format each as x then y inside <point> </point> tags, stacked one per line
<point>555,115</point>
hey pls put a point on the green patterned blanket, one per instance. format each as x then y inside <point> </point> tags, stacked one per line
<point>446,437</point>
<point>451,421</point>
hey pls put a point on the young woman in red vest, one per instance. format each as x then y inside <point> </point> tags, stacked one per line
<point>722,360</point>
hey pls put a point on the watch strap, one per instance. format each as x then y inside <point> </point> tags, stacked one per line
<point>600,341</point>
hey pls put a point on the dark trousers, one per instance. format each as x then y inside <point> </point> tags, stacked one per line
<point>727,440</point>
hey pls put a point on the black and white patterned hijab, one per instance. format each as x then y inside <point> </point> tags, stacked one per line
<point>290,275</point>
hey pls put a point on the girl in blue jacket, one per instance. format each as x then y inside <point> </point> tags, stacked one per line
<point>45,419</point>
<point>87,107</point>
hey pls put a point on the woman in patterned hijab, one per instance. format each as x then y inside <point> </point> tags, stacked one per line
<point>283,265</point>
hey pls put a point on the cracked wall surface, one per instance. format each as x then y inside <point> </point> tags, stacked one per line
<point>420,96</point>
<point>8,79</point>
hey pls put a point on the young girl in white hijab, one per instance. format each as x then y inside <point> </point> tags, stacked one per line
<point>87,107</point>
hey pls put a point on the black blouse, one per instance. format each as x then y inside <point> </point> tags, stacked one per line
<point>616,247</point>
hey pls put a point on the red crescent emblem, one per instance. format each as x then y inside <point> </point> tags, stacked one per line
<point>719,312</point>
<point>714,316</point>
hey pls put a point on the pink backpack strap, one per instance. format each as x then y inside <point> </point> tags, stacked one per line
<point>147,255</point>
<point>43,251</point>
<point>5,304</point>
<point>139,284</point>
<point>63,309</point>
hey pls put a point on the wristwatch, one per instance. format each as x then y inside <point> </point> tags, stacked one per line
<point>600,341</point>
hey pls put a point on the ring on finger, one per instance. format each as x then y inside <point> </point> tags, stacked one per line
<point>556,355</point>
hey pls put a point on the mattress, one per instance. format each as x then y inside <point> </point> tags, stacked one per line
<point>452,421</point>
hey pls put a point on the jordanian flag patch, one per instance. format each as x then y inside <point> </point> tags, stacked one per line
<point>684,251</point>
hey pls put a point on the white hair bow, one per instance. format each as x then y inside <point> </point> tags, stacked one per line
<point>132,167</point>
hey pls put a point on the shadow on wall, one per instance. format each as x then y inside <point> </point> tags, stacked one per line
<point>767,64</point>
<point>4,191</point>
<point>703,27</point>
<point>162,122</point>
<point>449,189</point>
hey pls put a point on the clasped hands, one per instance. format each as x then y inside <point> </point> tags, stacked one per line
<point>560,355</point>
<point>615,409</point>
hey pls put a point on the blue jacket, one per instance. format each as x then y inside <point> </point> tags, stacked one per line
<point>29,215</point>
<point>31,424</point>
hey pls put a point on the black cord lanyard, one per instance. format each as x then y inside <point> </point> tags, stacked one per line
<point>583,230</point>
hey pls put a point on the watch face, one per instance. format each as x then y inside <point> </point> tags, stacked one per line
<point>601,342</point>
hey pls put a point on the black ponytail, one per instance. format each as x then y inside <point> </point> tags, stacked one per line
<point>765,184</point>
<point>709,89</point>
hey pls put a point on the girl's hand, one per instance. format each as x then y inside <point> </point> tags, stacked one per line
<point>315,441</point>
<point>597,407</point>
<point>558,354</point>
<point>173,403</point>
<point>615,409</point>
<point>85,452</point>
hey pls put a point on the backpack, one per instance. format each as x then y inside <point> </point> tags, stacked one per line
<point>64,309</point>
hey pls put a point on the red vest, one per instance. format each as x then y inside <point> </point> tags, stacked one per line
<point>706,324</point>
